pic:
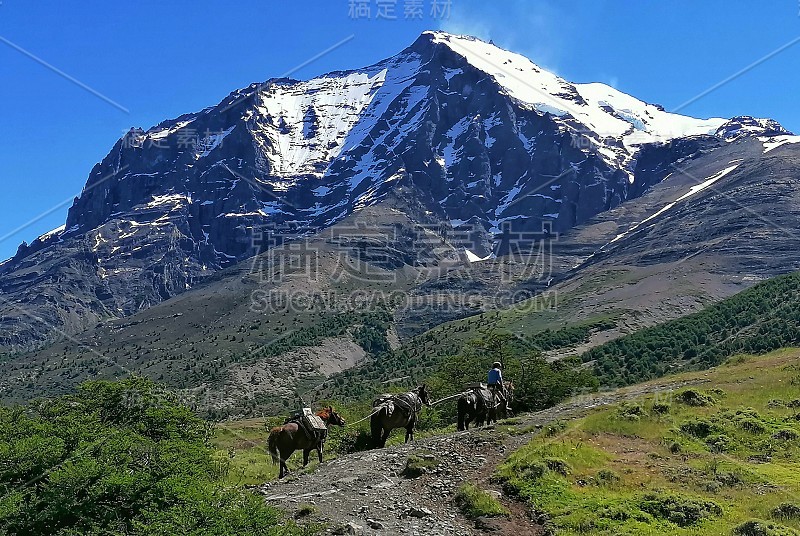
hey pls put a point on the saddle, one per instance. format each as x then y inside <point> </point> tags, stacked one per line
<point>313,426</point>
<point>485,395</point>
<point>407,403</point>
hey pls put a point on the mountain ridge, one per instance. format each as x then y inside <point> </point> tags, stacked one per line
<point>171,206</point>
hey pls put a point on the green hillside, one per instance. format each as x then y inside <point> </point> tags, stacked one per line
<point>762,318</point>
<point>720,456</point>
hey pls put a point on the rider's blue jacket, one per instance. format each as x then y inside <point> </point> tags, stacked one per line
<point>495,377</point>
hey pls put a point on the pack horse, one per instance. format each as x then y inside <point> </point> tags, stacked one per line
<point>397,411</point>
<point>482,405</point>
<point>304,431</point>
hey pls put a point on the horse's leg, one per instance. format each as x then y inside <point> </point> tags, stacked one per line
<point>410,429</point>
<point>464,411</point>
<point>320,448</point>
<point>376,430</point>
<point>283,469</point>
<point>306,453</point>
<point>384,436</point>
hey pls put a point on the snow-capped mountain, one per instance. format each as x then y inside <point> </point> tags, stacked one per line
<point>476,135</point>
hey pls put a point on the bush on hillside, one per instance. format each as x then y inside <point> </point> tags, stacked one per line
<point>119,458</point>
<point>682,511</point>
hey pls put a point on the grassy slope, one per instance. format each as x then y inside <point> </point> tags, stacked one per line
<point>615,456</point>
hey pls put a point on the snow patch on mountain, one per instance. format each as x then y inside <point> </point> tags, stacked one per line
<point>157,134</point>
<point>472,257</point>
<point>49,234</point>
<point>306,123</point>
<point>706,183</point>
<point>777,141</point>
<point>650,122</point>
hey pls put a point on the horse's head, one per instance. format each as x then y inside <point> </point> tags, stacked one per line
<point>424,395</point>
<point>330,417</point>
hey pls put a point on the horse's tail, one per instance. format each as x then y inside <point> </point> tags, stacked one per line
<point>466,405</point>
<point>272,444</point>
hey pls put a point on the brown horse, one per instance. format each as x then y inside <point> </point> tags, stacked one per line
<point>474,405</point>
<point>482,406</point>
<point>284,440</point>
<point>397,411</point>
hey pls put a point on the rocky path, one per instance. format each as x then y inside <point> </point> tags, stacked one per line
<point>366,493</point>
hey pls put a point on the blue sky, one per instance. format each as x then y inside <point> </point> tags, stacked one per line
<point>160,59</point>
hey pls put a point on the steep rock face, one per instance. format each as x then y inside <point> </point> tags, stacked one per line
<point>485,140</point>
<point>745,125</point>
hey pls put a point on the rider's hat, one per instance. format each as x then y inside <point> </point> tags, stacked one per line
<point>497,364</point>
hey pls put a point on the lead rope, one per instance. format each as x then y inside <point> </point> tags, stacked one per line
<point>445,399</point>
<point>367,417</point>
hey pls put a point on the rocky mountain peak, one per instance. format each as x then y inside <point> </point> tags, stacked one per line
<point>745,125</point>
<point>478,137</point>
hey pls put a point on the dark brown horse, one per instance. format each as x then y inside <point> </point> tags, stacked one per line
<point>284,440</point>
<point>474,406</point>
<point>482,406</point>
<point>397,411</point>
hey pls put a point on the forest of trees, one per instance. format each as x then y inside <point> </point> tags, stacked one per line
<point>760,319</point>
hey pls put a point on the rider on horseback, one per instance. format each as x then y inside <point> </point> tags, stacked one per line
<point>495,382</point>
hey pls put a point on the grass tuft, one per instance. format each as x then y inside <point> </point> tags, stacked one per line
<point>419,464</point>
<point>475,502</point>
<point>305,510</point>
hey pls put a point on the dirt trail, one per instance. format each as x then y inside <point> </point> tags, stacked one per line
<point>365,493</point>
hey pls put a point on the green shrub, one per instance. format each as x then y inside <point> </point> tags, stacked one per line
<point>729,479</point>
<point>475,503</point>
<point>661,408</point>
<point>787,434</point>
<point>305,510</point>
<point>697,428</point>
<point>533,471</point>
<point>554,428</point>
<point>632,412</point>
<point>120,458</point>
<point>786,511</point>
<point>682,511</point>
<point>756,527</point>
<point>692,397</point>
<point>606,477</point>
<point>748,420</point>
<point>557,465</point>
<point>718,443</point>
